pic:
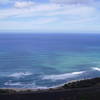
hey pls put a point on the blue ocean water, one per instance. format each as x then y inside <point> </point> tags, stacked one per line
<point>47,60</point>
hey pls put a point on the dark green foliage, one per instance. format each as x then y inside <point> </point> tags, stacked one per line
<point>80,90</point>
<point>83,83</point>
<point>7,91</point>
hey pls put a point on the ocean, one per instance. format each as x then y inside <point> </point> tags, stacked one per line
<point>47,60</point>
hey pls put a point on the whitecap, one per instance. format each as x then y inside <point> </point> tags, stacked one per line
<point>62,76</point>
<point>24,85</point>
<point>96,68</point>
<point>20,74</point>
<point>13,84</point>
<point>31,86</point>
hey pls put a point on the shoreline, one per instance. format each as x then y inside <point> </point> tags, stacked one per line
<point>42,89</point>
<point>68,85</point>
<point>88,89</point>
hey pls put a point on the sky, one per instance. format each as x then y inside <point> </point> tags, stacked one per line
<point>50,16</point>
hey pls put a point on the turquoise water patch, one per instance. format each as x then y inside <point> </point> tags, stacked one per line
<point>42,61</point>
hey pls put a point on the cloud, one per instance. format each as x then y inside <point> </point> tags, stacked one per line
<point>23,4</point>
<point>72,1</point>
<point>50,16</point>
<point>83,11</point>
<point>47,10</point>
<point>37,24</point>
<point>36,10</point>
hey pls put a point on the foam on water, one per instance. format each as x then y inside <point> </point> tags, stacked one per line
<point>96,68</point>
<point>13,84</point>
<point>62,76</point>
<point>50,57</point>
<point>20,74</point>
<point>24,85</point>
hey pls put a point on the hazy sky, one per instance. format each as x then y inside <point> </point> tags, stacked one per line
<point>66,16</point>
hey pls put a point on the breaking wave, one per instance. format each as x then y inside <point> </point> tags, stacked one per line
<point>96,68</point>
<point>20,74</point>
<point>13,84</point>
<point>24,85</point>
<point>62,76</point>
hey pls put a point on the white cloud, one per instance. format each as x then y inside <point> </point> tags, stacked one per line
<point>72,1</point>
<point>48,10</point>
<point>45,20</point>
<point>75,10</point>
<point>33,24</point>
<point>37,10</point>
<point>41,15</point>
<point>23,4</point>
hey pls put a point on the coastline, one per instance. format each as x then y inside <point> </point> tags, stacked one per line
<point>88,89</point>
